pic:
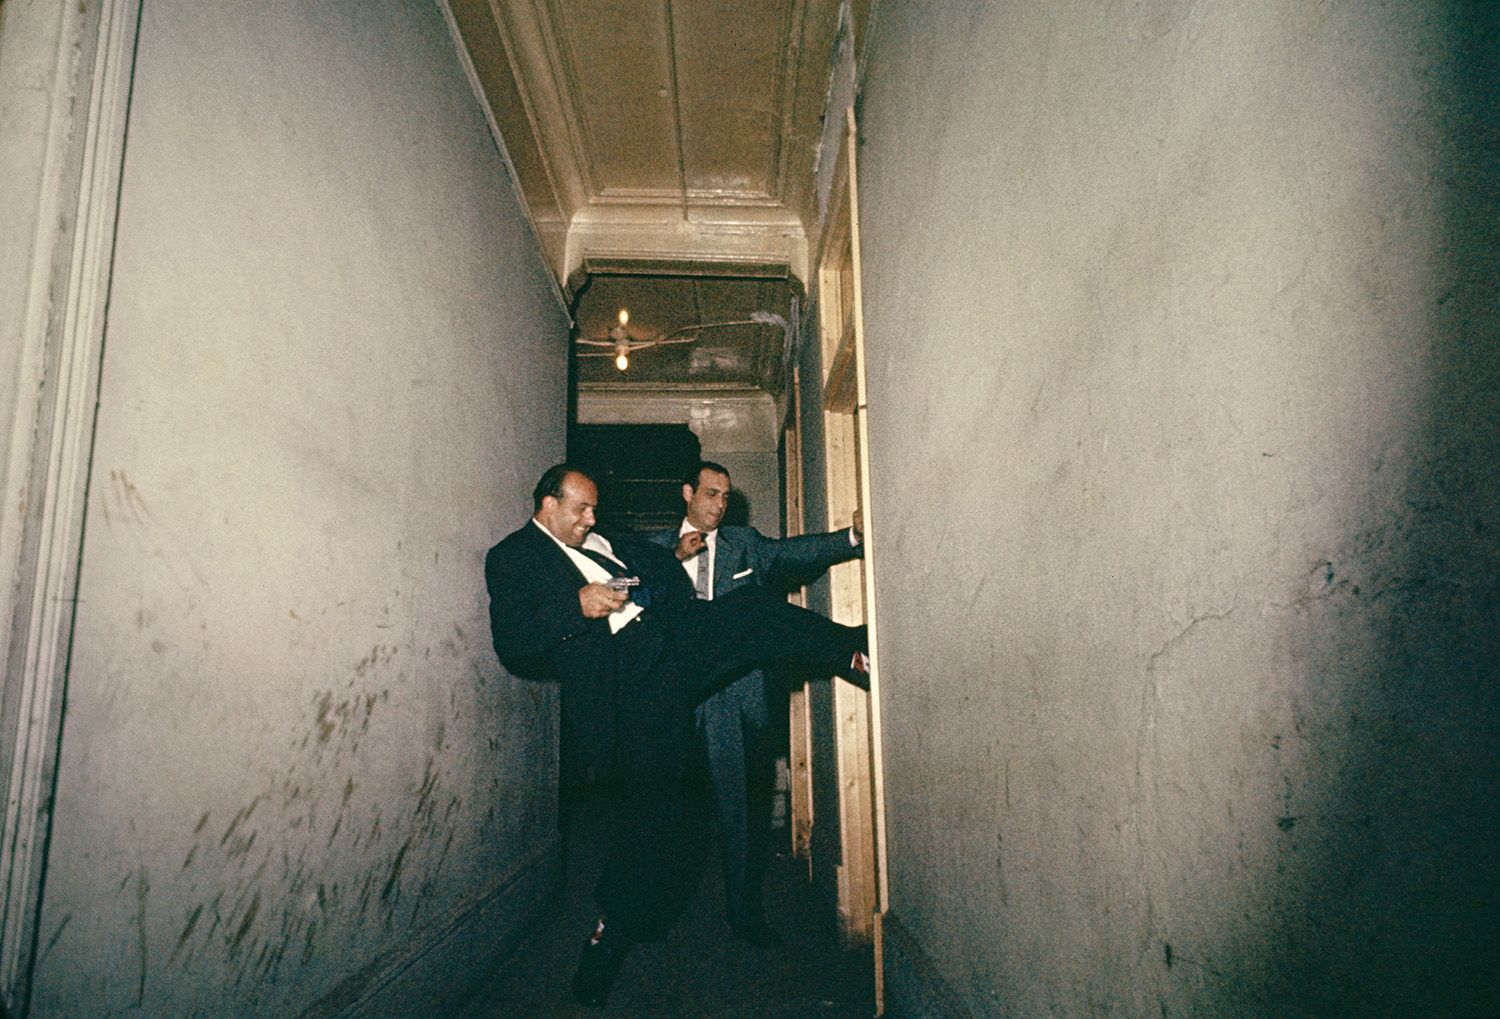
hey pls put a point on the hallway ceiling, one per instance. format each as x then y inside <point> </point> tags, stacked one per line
<point>665,152</point>
<point>734,357</point>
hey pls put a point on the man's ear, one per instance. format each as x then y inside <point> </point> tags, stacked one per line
<point>687,493</point>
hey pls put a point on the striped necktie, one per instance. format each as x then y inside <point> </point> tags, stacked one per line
<point>700,584</point>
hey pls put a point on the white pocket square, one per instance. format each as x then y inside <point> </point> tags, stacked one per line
<point>743,573</point>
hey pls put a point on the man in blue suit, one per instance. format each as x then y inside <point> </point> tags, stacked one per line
<point>735,722</point>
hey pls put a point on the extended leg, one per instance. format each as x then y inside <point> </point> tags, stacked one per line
<point>752,628</point>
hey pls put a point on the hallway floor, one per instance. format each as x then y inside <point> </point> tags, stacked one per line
<point>698,971</point>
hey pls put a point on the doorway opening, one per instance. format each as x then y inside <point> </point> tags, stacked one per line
<point>639,470</point>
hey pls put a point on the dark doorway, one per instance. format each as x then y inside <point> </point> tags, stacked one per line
<point>639,469</point>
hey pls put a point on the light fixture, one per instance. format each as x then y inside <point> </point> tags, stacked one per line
<point>622,341</point>
<point>621,344</point>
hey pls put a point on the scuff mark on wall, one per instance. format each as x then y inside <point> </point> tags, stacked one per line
<point>187,931</point>
<point>208,816</point>
<point>130,506</point>
<point>62,926</point>
<point>390,882</point>
<point>142,893</point>
<point>1145,801</point>
<point>271,859</point>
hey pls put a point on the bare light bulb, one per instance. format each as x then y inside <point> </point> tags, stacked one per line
<point>622,360</point>
<point>624,317</point>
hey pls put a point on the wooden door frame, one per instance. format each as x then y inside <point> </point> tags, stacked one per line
<point>799,706</point>
<point>863,880</point>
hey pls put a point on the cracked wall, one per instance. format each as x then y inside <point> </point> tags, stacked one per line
<point>1182,336</point>
<point>334,368</point>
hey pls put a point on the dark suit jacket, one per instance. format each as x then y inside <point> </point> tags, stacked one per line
<point>540,631</point>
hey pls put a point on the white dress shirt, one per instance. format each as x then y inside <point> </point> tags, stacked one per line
<point>595,573</point>
<point>710,549</point>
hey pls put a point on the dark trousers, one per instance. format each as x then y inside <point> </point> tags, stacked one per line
<point>664,667</point>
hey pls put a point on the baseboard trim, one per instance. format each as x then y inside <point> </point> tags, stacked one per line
<point>443,965</point>
<point>914,989</point>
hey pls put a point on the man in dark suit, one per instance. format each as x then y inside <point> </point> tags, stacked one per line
<point>616,623</point>
<point>734,724</point>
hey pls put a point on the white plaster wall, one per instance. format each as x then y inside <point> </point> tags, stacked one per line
<point>1182,324</point>
<point>757,477</point>
<point>334,369</point>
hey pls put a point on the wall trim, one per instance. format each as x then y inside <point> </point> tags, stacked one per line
<point>51,442</point>
<point>741,420</point>
<point>914,989</point>
<point>439,969</point>
<point>466,61</point>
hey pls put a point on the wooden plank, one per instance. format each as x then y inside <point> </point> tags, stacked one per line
<point>800,766</point>
<point>863,443</point>
<point>850,704</point>
<point>830,320</point>
<point>834,235</point>
<point>882,896</point>
<point>841,389</point>
<point>838,299</point>
<point>799,703</point>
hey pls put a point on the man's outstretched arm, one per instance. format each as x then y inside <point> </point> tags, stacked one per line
<point>790,561</point>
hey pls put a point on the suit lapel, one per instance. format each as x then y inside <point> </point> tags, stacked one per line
<point>727,561</point>
<point>559,563</point>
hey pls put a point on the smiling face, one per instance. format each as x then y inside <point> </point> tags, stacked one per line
<point>570,518</point>
<point>707,500</point>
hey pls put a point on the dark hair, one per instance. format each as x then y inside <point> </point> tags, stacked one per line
<point>690,479</point>
<point>551,483</point>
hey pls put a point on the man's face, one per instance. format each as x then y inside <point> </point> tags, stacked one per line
<point>706,502</point>
<point>570,518</point>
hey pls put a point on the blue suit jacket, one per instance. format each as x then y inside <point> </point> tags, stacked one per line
<point>745,556</point>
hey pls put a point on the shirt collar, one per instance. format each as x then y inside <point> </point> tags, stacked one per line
<point>593,540</point>
<point>709,536</point>
<point>552,537</point>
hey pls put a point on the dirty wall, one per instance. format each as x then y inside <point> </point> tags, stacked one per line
<point>291,771</point>
<point>1182,324</point>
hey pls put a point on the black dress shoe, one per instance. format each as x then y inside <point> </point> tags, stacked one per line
<point>598,965</point>
<point>858,670</point>
<point>758,934</point>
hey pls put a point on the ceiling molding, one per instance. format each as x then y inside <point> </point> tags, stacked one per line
<point>705,267</point>
<point>725,243</point>
<point>724,422</point>
<point>658,128</point>
<point>666,154</point>
<point>536,67</point>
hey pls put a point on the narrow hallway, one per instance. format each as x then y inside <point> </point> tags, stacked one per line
<point>1157,345</point>
<point>698,971</point>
